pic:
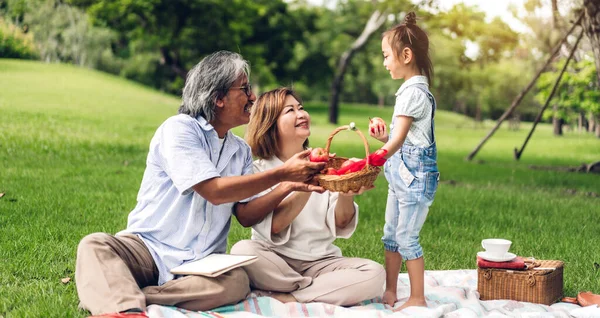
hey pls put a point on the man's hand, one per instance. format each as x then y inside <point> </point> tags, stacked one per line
<point>299,169</point>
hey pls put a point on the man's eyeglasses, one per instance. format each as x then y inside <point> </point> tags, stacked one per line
<point>247,89</point>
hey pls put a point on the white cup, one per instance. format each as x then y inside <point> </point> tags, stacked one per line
<point>496,247</point>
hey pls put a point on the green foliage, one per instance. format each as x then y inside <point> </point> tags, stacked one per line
<point>174,36</point>
<point>62,33</point>
<point>464,82</point>
<point>14,43</point>
<point>578,90</point>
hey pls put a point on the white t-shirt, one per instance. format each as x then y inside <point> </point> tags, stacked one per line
<point>310,236</point>
<point>414,102</point>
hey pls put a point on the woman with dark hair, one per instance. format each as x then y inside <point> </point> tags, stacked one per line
<point>297,260</point>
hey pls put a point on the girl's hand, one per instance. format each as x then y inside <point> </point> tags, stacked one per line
<point>378,129</point>
<point>351,193</point>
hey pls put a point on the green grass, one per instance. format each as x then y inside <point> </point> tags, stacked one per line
<point>73,144</point>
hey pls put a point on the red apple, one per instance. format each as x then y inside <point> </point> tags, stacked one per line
<point>351,165</point>
<point>331,171</point>
<point>348,162</point>
<point>376,123</point>
<point>318,155</point>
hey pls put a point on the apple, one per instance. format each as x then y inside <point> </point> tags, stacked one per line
<point>318,155</point>
<point>351,165</point>
<point>349,162</point>
<point>376,123</point>
<point>331,171</point>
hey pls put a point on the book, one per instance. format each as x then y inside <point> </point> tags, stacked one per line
<point>213,265</point>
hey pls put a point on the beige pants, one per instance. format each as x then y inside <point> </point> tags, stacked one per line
<point>335,280</point>
<point>116,273</point>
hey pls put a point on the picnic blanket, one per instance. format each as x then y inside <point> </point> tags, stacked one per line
<point>449,294</point>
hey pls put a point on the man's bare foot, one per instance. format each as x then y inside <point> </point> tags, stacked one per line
<point>419,302</point>
<point>282,297</point>
<point>389,298</point>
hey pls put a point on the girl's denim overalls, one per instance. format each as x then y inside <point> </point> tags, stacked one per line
<point>413,177</point>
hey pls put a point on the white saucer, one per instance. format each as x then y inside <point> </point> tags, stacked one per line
<point>507,257</point>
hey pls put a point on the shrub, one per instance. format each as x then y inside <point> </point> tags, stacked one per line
<point>14,43</point>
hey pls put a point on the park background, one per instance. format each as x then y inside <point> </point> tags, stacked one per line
<point>84,84</point>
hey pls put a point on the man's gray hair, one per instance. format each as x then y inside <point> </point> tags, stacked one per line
<point>210,80</point>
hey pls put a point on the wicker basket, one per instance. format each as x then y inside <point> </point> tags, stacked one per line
<point>541,284</point>
<point>350,181</point>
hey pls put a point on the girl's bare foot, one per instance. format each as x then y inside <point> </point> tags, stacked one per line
<point>419,302</point>
<point>389,297</point>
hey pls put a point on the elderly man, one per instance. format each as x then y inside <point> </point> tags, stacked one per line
<point>197,175</point>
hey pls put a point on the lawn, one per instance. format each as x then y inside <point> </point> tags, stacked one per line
<point>73,144</point>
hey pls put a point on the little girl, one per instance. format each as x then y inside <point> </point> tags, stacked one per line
<point>411,168</point>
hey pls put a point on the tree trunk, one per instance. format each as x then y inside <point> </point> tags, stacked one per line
<point>478,113</point>
<point>515,121</point>
<point>380,101</point>
<point>173,62</point>
<point>557,123</point>
<point>591,24</point>
<point>375,22</point>
<point>591,122</point>
<point>598,126</point>
<point>580,122</point>
<point>555,14</point>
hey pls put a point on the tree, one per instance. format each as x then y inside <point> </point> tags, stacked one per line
<point>495,41</point>
<point>175,35</point>
<point>14,43</point>
<point>61,33</point>
<point>577,94</point>
<point>375,22</point>
<point>591,24</point>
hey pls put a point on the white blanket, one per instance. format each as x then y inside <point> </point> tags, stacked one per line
<point>449,294</point>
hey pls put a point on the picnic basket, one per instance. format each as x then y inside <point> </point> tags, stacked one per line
<point>541,283</point>
<point>350,181</point>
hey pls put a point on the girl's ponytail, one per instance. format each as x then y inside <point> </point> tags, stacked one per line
<point>410,18</point>
<point>408,34</point>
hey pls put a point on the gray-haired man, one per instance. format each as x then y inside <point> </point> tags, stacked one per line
<point>197,175</point>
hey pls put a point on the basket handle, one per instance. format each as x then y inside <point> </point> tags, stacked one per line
<point>347,127</point>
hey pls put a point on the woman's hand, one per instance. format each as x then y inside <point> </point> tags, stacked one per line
<point>351,193</point>
<point>310,186</point>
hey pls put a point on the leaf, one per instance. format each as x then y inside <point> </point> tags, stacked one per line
<point>65,280</point>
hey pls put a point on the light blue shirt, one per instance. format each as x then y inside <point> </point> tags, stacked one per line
<point>175,222</point>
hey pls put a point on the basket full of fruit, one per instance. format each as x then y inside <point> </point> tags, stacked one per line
<point>342,174</point>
